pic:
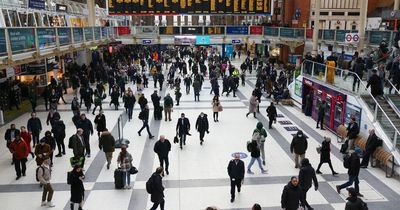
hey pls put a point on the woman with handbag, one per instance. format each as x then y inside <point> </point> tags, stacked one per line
<point>325,155</point>
<point>125,163</point>
<point>216,107</point>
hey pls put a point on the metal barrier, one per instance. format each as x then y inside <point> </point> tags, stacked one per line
<point>121,141</point>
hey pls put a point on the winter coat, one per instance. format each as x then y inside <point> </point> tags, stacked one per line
<point>354,165</point>
<point>236,171</point>
<point>353,203</point>
<point>107,142</point>
<point>255,150</point>
<point>58,129</point>
<point>299,145</point>
<point>291,196</point>
<point>145,114</point>
<point>168,102</point>
<point>41,150</point>
<point>307,176</point>
<point>86,126</point>
<point>202,123</point>
<point>19,149</point>
<point>7,135</point>
<point>27,137</point>
<point>78,146</point>
<point>253,104</point>
<point>325,155</point>
<point>77,188</point>
<point>272,114</point>
<point>162,148</point>
<point>372,143</point>
<point>34,125</point>
<point>142,102</point>
<point>125,162</point>
<point>215,105</point>
<point>129,101</point>
<point>376,85</point>
<point>158,189</point>
<point>155,99</point>
<point>183,129</point>
<point>353,130</point>
<point>100,122</point>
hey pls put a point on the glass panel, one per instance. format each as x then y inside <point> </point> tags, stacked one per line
<point>329,34</point>
<point>6,19</point>
<point>14,18</point>
<point>340,35</point>
<point>47,37</point>
<point>3,49</point>
<point>97,33</point>
<point>78,35</point>
<point>64,36</point>
<point>287,32</point>
<point>375,37</point>
<point>22,39</point>
<point>88,33</point>
<point>268,31</point>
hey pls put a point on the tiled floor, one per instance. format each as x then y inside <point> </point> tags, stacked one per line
<point>198,176</point>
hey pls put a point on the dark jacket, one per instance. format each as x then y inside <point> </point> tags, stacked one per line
<point>372,143</point>
<point>291,196</point>
<point>100,122</point>
<point>325,155</point>
<point>158,190</point>
<point>307,176</point>
<point>107,142</point>
<point>202,123</point>
<point>86,125</point>
<point>352,131</point>
<point>142,102</point>
<point>52,117</point>
<point>255,150</point>
<point>376,85</point>
<point>236,171</point>
<point>162,148</point>
<point>145,114</point>
<point>321,109</point>
<point>183,128</point>
<point>7,135</point>
<point>34,125</point>
<point>354,203</point>
<point>168,102</point>
<point>50,141</point>
<point>299,145</point>
<point>129,101</point>
<point>354,165</point>
<point>271,111</point>
<point>155,99</point>
<point>77,188</point>
<point>78,146</point>
<point>58,129</point>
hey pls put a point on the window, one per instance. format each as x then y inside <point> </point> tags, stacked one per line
<point>353,27</point>
<point>324,13</point>
<point>353,14</point>
<point>338,13</point>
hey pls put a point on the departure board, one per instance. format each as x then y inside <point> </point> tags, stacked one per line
<point>151,7</point>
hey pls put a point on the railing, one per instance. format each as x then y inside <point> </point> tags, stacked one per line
<point>392,87</point>
<point>336,77</point>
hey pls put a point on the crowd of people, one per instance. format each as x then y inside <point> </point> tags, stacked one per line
<point>136,64</point>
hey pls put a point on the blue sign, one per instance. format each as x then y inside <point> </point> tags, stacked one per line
<point>64,36</point>
<point>236,41</point>
<point>22,39</point>
<point>242,155</point>
<point>146,41</point>
<point>97,33</point>
<point>242,30</point>
<point>47,37</point>
<point>78,35</point>
<point>3,49</point>
<point>202,40</point>
<point>36,4</point>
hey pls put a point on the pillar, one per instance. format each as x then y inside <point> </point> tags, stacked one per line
<point>175,20</point>
<point>92,12</point>
<point>317,8</point>
<point>208,20</point>
<point>396,4</point>
<point>363,25</point>
<point>163,20</point>
<point>189,22</point>
<point>201,20</point>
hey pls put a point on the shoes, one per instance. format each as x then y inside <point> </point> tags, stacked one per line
<point>108,166</point>
<point>88,155</point>
<point>217,120</point>
<point>247,115</point>
<point>322,128</point>
<point>232,200</point>
<point>317,126</point>
<point>150,137</point>
<point>181,148</point>
<point>184,143</point>
<point>335,173</point>
<point>338,189</point>
<point>139,133</point>
<point>43,203</point>
<point>50,204</point>
<point>63,153</point>
<point>363,166</point>
<point>23,174</point>
<point>360,195</point>
<point>238,189</point>
<point>296,166</point>
<point>263,162</point>
<point>318,172</point>
<point>59,155</point>
<point>18,177</point>
<point>167,172</point>
<point>264,171</point>
<point>249,172</point>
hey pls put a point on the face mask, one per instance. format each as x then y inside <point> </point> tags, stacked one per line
<point>300,135</point>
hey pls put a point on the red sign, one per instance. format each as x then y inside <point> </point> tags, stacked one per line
<point>124,30</point>
<point>256,30</point>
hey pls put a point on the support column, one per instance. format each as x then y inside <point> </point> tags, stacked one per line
<point>208,20</point>
<point>363,25</point>
<point>175,20</point>
<point>163,20</point>
<point>396,4</point>
<point>189,23</point>
<point>201,20</point>
<point>316,28</point>
<point>92,12</point>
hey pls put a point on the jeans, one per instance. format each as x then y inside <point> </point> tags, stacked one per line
<point>35,138</point>
<point>330,166</point>
<point>20,164</point>
<point>60,145</point>
<point>95,107</point>
<point>109,156</point>
<point>145,125</point>
<point>304,191</point>
<point>86,138</point>
<point>253,159</point>
<point>197,96</point>
<point>356,81</point>
<point>130,112</point>
<point>126,178</point>
<point>350,182</point>
<point>161,203</point>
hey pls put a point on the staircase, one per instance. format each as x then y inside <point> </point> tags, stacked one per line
<point>394,99</point>
<point>391,113</point>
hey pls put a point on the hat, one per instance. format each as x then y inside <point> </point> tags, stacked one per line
<point>352,191</point>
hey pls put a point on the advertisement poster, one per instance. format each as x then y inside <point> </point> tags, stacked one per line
<point>64,36</point>
<point>88,34</point>
<point>78,35</point>
<point>47,37</point>
<point>3,48</point>
<point>22,39</point>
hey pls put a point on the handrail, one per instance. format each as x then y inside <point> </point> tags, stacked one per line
<point>394,87</point>
<point>376,102</point>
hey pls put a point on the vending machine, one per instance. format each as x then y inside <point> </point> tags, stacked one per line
<point>328,110</point>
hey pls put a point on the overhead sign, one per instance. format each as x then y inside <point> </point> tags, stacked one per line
<point>22,39</point>
<point>47,37</point>
<point>210,30</point>
<point>199,7</point>
<point>236,41</point>
<point>185,40</point>
<point>146,41</point>
<point>36,4</point>
<point>61,8</point>
<point>168,30</point>
<point>202,40</point>
<point>239,30</point>
<point>351,38</point>
<point>192,30</point>
<point>256,30</point>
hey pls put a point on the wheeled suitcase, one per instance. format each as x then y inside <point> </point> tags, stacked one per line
<point>118,179</point>
<point>77,161</point>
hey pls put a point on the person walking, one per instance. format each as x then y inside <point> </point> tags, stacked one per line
<point>10,134</point>
<point>306,177</point>
<point>157,192</point>
<point>77,144</point>
<point>253,105</point>
<point>98,98</point>
<point>51,141</point>
<point>42,151</point>
<point>373,142</point>
<point>27,138</point>
<point>272,114</point>
<point>155,98</point>
<point>325,155</point>
<point>292,195</point>
<point>44,176</point>
<point>162,148</point>
<point>100,122</point>
<point>144,116</point>
<point>76,178</point>
<point>216,105</point>
<point>107,144</point>
<point>298,147</point>
<point>353,202</point>
<point>236,174</point>
<point>87,128</point>
<point>34,127</point>
<point>321,114</point>
<point>58,130</point>
<point>182,129</point>
<point>129,103</point>
<point>202,126</point>
<point>352,133</point>
<point>352,163</point>
<point>376,84</point>
<point>168,105</point>
<point>125,162</point>
<point>255,155</point>
<point>259,135</point>
<point>20,152</point>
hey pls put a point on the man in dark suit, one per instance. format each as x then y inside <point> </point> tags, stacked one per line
<point>182,129</point>
<point>352,133</point>
<point>236,174</point>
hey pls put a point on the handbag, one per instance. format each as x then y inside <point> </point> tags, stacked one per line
<point>318,149</point>
<point>220,108</point>
<point>133,170</point>
<point>176,140</point>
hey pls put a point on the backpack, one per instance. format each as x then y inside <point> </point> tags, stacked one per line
<point>249,146</point>
<point>149,185</point>
<point>346,161</point>
<point>69,177</point>
<point>71,142</point>
<point>256,136</point>
<point>37,171</point>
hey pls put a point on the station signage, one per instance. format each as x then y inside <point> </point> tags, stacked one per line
<point>36,4</point>
<point>47,37</point>
<point>238,30</point>
<point>256,30</point>
<point>124,30</point>
<point>61,8</point>
<point>185,40</point>
<point>211,30</point>
<point>88,33</point>
<point>352,37</point>
<point>236,41</point>
<point>3,49</point>
<point>203,40</point>
<point>192,30</point>
<point>78,35</point>
<point>169,30</point>
<point>22,39</point>
<point>64,36</point>
<point>147,41</point>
